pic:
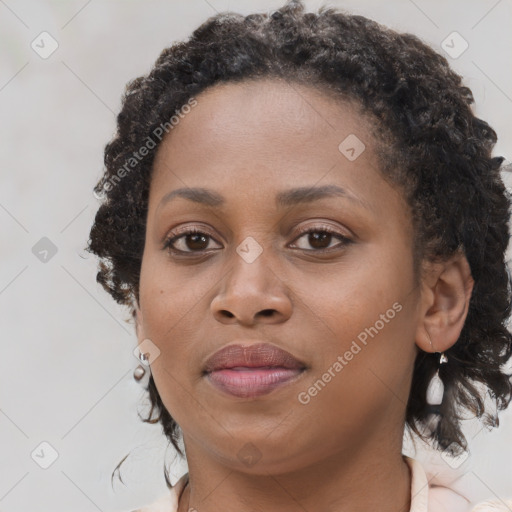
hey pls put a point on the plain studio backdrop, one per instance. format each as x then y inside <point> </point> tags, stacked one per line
<point>68,401</point>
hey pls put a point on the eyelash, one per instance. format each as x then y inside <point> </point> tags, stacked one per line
<point>344,241</point>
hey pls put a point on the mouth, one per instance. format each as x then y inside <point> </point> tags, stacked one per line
<point>248,371</point>
<point>252,382</point>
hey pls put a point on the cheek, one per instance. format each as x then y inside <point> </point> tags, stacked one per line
<point>169,303</point>
<point>166,304</point>
<point>175,304</point>
<point>345,299</point>
<point>363,365</point>
<point>170,297</point>
<point>365,314</point>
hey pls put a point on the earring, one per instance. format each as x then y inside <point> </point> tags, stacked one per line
<point>140,371</point>
<point>435,389</point>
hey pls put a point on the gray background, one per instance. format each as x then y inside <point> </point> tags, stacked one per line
<point>67,361</point>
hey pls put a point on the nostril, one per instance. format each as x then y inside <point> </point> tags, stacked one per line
<point>267,312</point>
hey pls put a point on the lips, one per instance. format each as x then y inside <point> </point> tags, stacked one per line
<point>252,371</point>
<point>246,357</point>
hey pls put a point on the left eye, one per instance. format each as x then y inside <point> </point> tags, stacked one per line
<point>320,239</point>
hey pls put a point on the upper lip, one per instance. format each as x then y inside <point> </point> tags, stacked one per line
<point>252,356</point>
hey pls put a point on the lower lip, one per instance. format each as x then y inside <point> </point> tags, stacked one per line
<point>252,383</point>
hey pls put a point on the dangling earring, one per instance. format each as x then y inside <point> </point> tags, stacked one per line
<point>435,389</point>
<point>434,398</point>
<point>140,371</point>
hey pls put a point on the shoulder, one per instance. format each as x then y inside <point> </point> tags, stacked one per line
<point>493,506</point>
<point>443,499</point>
<point>168,502</point>
<point>446,498</point>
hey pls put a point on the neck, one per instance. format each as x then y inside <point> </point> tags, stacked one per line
<point>368,477</point>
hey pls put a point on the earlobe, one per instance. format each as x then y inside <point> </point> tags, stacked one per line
<point>446,293</point>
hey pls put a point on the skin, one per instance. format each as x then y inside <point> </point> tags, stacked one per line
<point>342,450</point>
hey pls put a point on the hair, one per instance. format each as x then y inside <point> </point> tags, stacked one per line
<point>428,142</point>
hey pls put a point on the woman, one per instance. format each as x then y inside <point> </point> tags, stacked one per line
<point>304,216</point>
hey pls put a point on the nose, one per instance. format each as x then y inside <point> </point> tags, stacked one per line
<point>252,293</point>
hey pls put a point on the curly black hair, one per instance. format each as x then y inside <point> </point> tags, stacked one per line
<point>429,143</point>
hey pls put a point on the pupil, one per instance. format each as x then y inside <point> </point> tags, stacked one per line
<point>197,238</point>
<point>320,236</point>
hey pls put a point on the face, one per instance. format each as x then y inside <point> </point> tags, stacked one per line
<point>327,277</point>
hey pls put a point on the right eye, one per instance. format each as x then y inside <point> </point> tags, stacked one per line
<point>192,240</point>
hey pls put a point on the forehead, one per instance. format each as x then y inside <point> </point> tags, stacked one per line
<point>268,107</point>
<point>265,133</point>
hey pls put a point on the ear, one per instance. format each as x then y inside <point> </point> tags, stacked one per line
<point>445,295</point>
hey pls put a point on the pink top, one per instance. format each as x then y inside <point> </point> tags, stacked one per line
<point>424,498</point>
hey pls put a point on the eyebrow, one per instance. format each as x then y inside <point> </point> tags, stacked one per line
<point>286,198</point>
